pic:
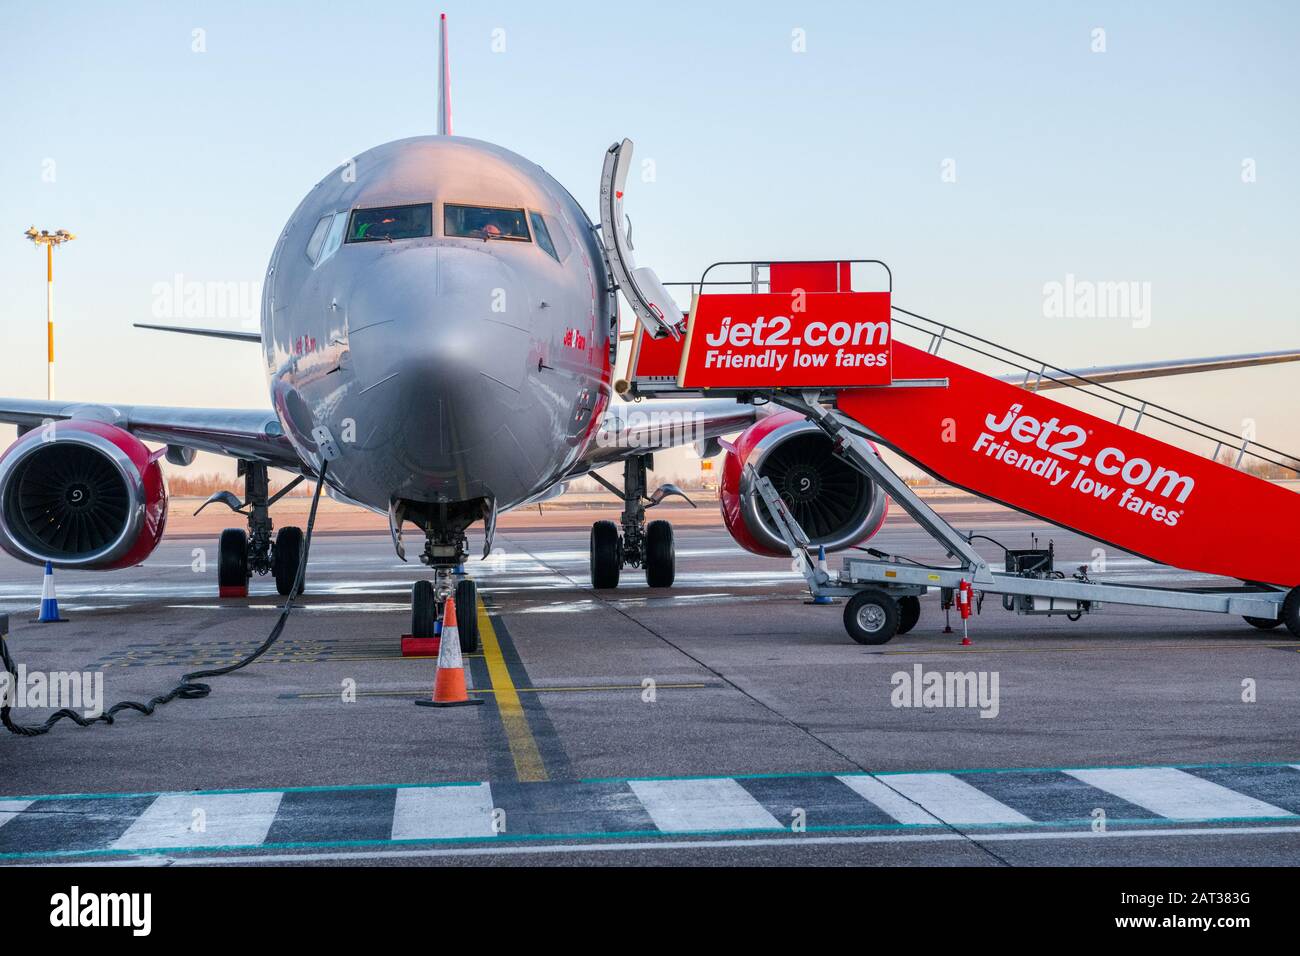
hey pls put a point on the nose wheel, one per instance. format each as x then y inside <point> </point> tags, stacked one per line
<point>429,599</point>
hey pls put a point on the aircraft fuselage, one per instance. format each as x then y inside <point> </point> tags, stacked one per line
<point>453,367</point>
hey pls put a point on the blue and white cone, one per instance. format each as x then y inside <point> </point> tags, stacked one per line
<point>49,602</point>
<point>822,566</point>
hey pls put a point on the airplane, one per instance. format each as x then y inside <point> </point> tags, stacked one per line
<point>440,320</point>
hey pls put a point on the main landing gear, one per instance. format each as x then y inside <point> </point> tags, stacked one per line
<point>240,553</point>
<point>446,554</point>
<point>639,545</point>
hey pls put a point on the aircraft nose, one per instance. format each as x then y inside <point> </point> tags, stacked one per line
<point>440,341</point>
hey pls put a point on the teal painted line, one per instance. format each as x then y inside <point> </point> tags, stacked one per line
<point>346,787</point>
<point>1066,826</point>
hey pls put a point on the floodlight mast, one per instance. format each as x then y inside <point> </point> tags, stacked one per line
<point>49,240</point>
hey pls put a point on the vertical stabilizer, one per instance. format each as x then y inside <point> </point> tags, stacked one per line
<point>444,81</point>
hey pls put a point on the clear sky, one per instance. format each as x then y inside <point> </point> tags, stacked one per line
<point>983,150</point>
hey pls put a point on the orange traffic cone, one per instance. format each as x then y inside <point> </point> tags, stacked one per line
<point>449,684</point>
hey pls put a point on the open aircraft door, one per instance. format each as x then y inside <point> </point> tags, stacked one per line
<point>650,301</point>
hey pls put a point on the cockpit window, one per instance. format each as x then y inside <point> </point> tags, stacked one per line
<point>318,238</point>
<point>391,222</point>
<point>484,222</point>
<point>543,235</point>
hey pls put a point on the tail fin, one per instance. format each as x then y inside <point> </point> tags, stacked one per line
<point>444,83</point>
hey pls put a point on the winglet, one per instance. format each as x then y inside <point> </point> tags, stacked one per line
<point>444,82</point>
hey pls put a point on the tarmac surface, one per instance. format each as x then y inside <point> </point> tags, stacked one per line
<point>722,722</point>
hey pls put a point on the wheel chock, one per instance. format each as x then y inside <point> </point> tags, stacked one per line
<point>419,646</point>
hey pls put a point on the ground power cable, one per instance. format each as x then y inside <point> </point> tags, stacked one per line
<point>189,687</point>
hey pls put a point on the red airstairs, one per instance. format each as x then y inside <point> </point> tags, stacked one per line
<point>983,417</point>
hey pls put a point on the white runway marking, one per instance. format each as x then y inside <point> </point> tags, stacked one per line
<point>943,795</point>
<point>953,800</point>
<point>1176,794</point>
<point>686,806</point>
<point>11,808</point>
<point>439,813</point>
<point>202,819</point>
<point>895,804</point>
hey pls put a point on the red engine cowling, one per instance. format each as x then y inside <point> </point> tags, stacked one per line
<point>81,494</point>
<point>837,505</point>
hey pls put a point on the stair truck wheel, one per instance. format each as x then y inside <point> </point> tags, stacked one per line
<point>1291,611</point>
<point>660,560</point>
<point>909,612</point>
<point>871,617</point>
<point>467,615</point>
<point>287,557</point>
<point>424,610</point>
<point>1263,623</point>
<point>606,555</point>
<point>232,561</point>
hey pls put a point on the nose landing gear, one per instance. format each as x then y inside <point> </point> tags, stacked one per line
<point>640,545</point>
<point>429,598</point>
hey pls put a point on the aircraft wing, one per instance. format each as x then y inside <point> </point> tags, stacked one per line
<point>233,335</point>
<point>635,428</point>
<point>239,433</point>
<point>1108,374</point>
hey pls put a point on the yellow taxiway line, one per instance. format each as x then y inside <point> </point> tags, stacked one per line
<point>529,767</point>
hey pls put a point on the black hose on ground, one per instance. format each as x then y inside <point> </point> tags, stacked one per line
<point>189,687</point>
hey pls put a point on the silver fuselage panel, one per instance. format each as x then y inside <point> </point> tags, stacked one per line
<point>446,369</point>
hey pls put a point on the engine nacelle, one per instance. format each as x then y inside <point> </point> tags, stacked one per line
<point>837,505</point>
<point>81,494</point>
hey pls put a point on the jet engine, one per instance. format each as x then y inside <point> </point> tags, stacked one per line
<point>81,494</point>
<point>837,505</point>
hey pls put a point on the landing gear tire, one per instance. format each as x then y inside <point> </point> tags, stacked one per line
<point>232,559</point>
<point>286,558</point>
<point>1291,611</point>
<point>1263,623</point>
<point>424,609</point>
<point>606,555</point>
<point>909,612</point>
<point>467,615</point>
<point>660,556</point>
<point>871,617</point>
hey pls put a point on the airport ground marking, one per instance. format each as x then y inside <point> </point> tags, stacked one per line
<point>593,689</point>
<point>655,840</point>
<point>1292,763</point>
<point>676,807</point>
<point>529,767</point>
